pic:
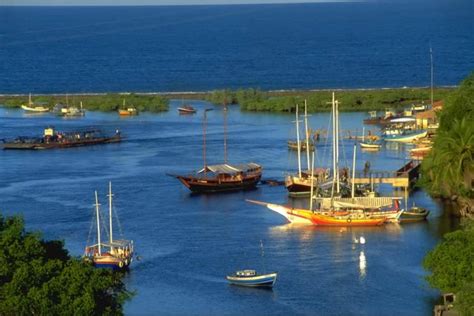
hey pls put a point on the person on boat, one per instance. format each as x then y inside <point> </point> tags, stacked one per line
<point>366,167</point>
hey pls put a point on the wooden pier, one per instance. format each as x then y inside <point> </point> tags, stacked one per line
<point>401,178</point>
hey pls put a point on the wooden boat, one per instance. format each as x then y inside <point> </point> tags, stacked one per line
<point>116,254</point>
<point>293,145</point>
<point>414,214</point>
<point>221,177</point>
<point>52,139</point>
<point>224,177</point>
<point>252,279</point>
<point>31,107</point>
<point>186,109</point>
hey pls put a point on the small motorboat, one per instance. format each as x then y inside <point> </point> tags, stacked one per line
<point>128,112</point>
<point>414,214</point>
<point>186,109</point>
<point>252,279</point>
<point>373,145</point>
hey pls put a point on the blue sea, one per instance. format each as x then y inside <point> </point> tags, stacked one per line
<point>199,48</point>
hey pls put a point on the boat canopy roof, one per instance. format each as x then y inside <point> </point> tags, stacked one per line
<point>403,120</point>
<point>231,169</point>
<point>358,202</point>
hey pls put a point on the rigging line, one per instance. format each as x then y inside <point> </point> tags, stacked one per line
<point>118,222</point>
<point>90,228</point>
<point>104,226</point>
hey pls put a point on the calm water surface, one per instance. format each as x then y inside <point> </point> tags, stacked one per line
<point>183,48</point>
<point>188,243</point>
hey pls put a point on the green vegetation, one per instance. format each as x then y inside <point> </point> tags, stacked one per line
<point>38,277</point>
<point>106,102</point>
<point>451,265</point>
<point>350,100</point>
<point>448,171</point>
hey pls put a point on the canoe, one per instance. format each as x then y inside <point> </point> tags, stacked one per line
<point>250,278</point>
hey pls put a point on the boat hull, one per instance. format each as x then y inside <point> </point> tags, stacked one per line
<point>265,280</point>
<point>66,144</point>
<point>406,138</point>
<point>414,216</point>
<point>213,185</point>
<point>39,109</point>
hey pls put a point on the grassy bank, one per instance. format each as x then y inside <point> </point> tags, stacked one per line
<point>95,102</point>
<point>350,100</point>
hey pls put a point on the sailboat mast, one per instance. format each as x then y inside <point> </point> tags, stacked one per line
<point>204,124</point>
<point>29,100</point>
<point>298,143</point>
<point>263,255</point>
<point>333,143</point>
<point>432,76</point>
<point>98,222</point>
<point>110,211</point>
<point>306,131</point>
<point>312,184</point>
<point>337,146</point>
<point>353,172</point>
<point>225,130</point>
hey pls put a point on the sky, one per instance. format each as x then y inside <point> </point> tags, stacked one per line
<point>152,2</point>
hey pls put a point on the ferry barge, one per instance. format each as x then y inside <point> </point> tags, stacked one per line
<point>54,139</point>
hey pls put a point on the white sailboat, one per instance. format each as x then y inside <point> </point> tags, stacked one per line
<point>116,254</point>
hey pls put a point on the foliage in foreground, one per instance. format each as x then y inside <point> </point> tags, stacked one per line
<point>38,277</point>
<point>449,169</point>
<point>350,100</point>
<point>451,265</point>
<point>106,102</point>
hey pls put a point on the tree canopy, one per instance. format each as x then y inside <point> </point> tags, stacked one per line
<point>451,265</point>
<point>39,277</point>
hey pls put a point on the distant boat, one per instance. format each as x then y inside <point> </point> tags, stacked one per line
<point>370,144</point>
<point>34,108</point>
<point>221,177</point>
<point>250,278</point>
<point>52,139</point>
<point>127,111</point>
<point>116,254</point>
<point>186,109</point>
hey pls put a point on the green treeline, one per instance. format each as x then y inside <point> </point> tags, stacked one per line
<point>38,277</point>
<point>107,102</point>
<point>448,172</point>
<point>349,100</point>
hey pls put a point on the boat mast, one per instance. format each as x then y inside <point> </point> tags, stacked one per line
<point>98,222</point>
<point>110,212</point>
<point>263,255</point>
<point>353,173</point>
<point>312,184</point>
<point>337,146</point>
<point>431,58</point>
<point>204,124</point>
<point>225,130</point>
<point>30,103</point>
<point>306,131</point>
<point>298,142</point>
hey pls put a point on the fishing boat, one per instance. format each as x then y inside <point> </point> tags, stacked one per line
<point>414,214</point>
<point>116,254</point>
<point>251,278</point>
<point>221,177</point>
<point>52,139</point>
<point>186,109</point>
<point>127,111</point>
<point>31,107</point>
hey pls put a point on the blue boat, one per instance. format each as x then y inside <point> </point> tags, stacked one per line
<point>404,136</point>
<point>250,278</point>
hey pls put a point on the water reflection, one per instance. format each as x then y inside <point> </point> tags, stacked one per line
<point>362,265</point>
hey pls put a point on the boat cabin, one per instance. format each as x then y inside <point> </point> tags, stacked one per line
<point>246,273</point>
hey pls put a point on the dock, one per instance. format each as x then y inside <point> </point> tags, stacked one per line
<point>404,177</point>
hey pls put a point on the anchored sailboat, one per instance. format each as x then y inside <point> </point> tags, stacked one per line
<point>116,254</point>
<point>222,177</point>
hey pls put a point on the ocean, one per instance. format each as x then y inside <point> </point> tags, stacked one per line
<point>199,48</point>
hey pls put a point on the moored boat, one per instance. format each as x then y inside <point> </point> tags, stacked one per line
<point>405,136</point>
<point>414,214</point>
<point>252,279</point>
<point>186,109</point>
<point>31,107</point>
<point>52,139</point>
<point>128,111</point>
<point>116,254</point>
<point>369,144</point>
